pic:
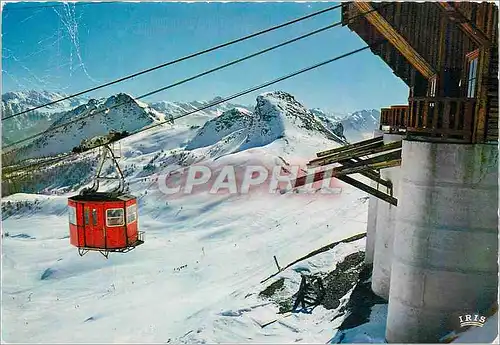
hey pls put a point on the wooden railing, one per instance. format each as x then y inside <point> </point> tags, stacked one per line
<point>446,118</point>
<point>394,119</point>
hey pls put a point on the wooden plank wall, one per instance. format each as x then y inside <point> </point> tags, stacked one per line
<point>485,18</point>
<point>481,14</point>
<point>421,25</point>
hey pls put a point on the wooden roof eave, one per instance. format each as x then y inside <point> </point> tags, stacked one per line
<point>398,41</point>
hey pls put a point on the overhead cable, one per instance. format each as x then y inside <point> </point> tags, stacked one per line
<point>199,75</point>
<point>246,91</point>
<point>172,62</point>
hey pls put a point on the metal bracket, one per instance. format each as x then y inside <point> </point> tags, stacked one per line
<point>104,253</point>
<point>82,251</point>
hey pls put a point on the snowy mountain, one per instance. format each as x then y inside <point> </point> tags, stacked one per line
<point>327,115</point>
<point>332,122</point>
<point>129,116</point>
<point>204,258</point>
<point>176,109</point>
<point>278,123</point>
<point>279,114</point>
<point>14,102</point>
<point>353,127</point>
<point>360,124</point>
<point>277,119</point>
<point>22,126</point>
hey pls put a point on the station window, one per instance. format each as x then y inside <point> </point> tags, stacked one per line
<point>115,217</point>
<point>72,215</point>
<point>432,87</point>
<point>472,60</point>
<point>131,213</point>
<point>87,216</point>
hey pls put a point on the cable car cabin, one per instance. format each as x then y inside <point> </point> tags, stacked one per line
<point>104,222</point>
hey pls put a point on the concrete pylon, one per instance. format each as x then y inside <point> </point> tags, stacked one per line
<point>372,219</point>
<point>384,233</point>
<point>446,239</point>
<point>371,227</point>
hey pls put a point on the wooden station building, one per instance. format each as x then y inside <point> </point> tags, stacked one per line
<point>447,54</point>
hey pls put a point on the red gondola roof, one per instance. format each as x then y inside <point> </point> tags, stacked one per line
<point>102,196</point>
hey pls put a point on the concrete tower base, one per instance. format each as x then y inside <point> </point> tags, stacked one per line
<point>384,233</point>
<point>372,219</point>
<point>446,241</point>
<point>371,228</point>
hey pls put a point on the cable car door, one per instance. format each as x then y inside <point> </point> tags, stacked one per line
<point>95,232</point>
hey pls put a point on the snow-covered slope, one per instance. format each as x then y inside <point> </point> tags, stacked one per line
<point>130,116</point>
<point>22,126</point>
<point>195,280</point>
<point>217,128</point>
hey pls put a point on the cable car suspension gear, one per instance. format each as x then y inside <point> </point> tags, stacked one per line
<point>107,154</point>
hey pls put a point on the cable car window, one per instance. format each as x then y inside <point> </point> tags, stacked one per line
<point>131,214</point>
<point>87,216</point>
<point>94,217</point>
<point>115,217</point>
<point>72,215</point>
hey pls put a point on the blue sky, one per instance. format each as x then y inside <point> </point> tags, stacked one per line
<point>69,48</point>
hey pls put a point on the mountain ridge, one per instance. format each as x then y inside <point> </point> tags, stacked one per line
<point>137,114</point>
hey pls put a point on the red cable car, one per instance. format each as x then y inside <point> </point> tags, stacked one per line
<point>104,221</point>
